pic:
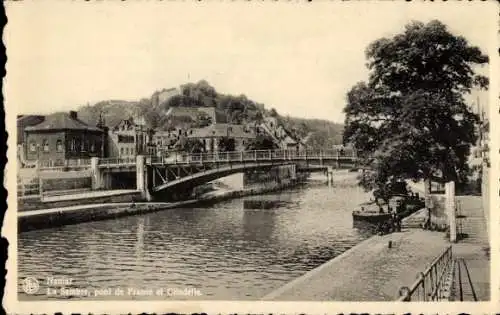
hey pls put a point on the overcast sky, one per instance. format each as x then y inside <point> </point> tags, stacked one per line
<point>300,58</point>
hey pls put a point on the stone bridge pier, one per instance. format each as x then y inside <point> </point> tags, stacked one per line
<point>104,178</point>
<point>143,175</point>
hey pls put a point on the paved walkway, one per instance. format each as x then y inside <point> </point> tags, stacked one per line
<point>156,205</point>
<point>369,271</point>
<point>88,194</point>
<point>474,249</point>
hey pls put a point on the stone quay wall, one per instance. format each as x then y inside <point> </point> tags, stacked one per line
<point>35,203</point>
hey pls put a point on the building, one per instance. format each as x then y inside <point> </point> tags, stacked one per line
<point>283,138</point>
<point>128,138</point>
<point>163,141</point>
<point>236,136</point>
<point>24,121</point>
<point>61,137</point>
<point>184,117</point>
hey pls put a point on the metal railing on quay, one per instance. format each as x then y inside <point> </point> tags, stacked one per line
<point>430,283</point>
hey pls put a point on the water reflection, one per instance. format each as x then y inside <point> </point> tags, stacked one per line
<point>238,249</point>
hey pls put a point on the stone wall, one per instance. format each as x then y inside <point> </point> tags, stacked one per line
<point>52,184</point>
<point>35,203</point>
<point>438,211</point>
<point>264,178</point>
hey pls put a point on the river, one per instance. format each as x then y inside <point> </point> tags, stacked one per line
<point>234,250</point>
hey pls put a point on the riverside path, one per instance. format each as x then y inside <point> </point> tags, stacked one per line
<point>370,271</point>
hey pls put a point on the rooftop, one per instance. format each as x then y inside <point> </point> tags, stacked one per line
<point>193,113</point>
<point>222,130</point>
<point>62,121</point>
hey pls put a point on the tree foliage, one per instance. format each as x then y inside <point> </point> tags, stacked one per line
<point>261,142</point>
<point>227,144</point>
<point>410,120</point>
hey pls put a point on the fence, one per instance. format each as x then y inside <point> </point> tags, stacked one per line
<point>430,283</point>
<point>117,161</point>
<point>63,165</point>
<point>244,156</point>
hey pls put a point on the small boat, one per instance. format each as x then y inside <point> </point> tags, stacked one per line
<point>371,216</point>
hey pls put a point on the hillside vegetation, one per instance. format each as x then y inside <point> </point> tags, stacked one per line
<point>230,109</point>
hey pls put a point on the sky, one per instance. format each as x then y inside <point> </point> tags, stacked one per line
<point>300,58</point>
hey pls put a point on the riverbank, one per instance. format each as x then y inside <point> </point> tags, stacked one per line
<point>369,271</point>
<point>373,271</point>
<point>53,217</point>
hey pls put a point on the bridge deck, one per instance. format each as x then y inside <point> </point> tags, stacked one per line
<point>233,157</point>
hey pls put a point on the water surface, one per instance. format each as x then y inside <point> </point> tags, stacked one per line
<point>237,249</point>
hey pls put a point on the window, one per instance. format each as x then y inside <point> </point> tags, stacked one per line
<point>85,145</point>
<point>126,139</point>
<point>121,151</point>
<point>73,145</point>
<point>92,146</point>
<point>126,151</point>
<point>32,146</point>
<point>45,145</point>
<point>132,151</point>
<point>59,145</point>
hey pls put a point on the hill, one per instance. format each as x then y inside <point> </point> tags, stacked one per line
<point>232,109</point>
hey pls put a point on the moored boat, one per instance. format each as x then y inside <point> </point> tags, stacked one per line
<point>371,216</point>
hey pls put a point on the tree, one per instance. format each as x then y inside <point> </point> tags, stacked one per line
<point>410,120</point>
<point>189,145</point>
<point>227,144</point>
<point>273,113</point>
<point>261,142</point>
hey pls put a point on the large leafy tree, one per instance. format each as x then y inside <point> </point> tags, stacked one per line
<point>410,120</point>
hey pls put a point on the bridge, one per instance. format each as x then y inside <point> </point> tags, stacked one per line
<point>182,171</point>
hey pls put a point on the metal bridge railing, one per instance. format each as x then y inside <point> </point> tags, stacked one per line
<point>245,156</point>
<point>430,283</point>
<point>117,161</point>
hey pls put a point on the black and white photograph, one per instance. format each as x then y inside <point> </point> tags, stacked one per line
<point>264,152</point>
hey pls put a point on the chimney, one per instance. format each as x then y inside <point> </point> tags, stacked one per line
<point>73,114</point>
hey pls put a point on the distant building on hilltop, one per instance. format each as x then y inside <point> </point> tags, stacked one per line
<point>164,95</point>
<point>193,113</point>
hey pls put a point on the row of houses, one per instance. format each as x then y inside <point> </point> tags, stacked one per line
<point>63,136</point>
